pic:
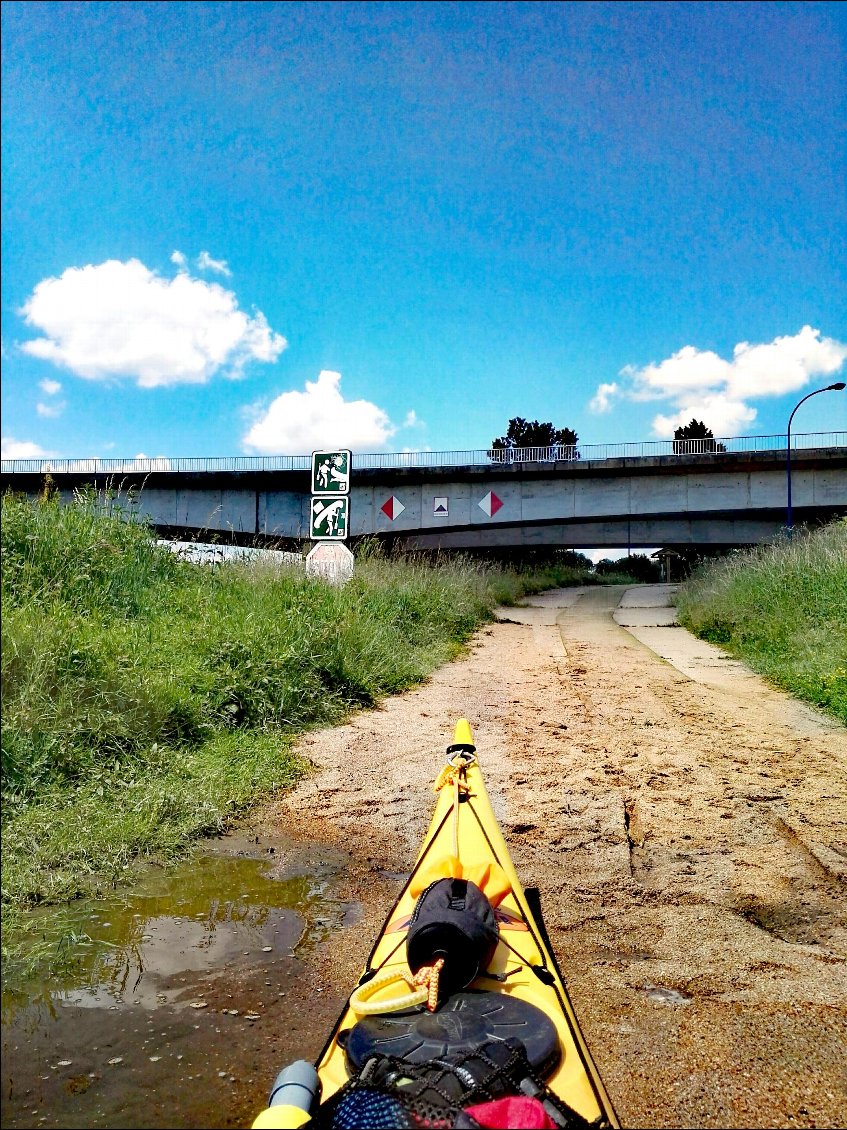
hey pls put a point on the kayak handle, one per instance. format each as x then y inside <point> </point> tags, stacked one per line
<point>461,756</point>
<point>362,1005</point>
<point>462,752</point>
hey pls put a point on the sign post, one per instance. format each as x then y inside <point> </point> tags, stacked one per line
<point>329,516</point>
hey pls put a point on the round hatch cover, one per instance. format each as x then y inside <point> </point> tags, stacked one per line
<point>463,1022</point>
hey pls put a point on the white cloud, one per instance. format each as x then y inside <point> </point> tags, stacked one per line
<point>143,462</point>
<point>49,388</point>
<point>11,448</point>
<point>205,262</point>
<point>50,411</point>
<point>688,370</point>
<point>603,397</point>
<point>699,383</point>
<point>118,319</point>
<point>784,365</point>
<point>296,423</point>
<point>23,449</point>
<point>726,417</point>
<point>180,260</point>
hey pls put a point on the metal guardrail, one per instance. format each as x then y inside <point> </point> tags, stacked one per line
<point>480,457</point>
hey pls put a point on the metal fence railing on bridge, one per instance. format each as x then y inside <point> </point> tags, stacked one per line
<point>396,460</point>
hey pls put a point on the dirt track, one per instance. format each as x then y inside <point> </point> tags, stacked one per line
<point>688,839</point>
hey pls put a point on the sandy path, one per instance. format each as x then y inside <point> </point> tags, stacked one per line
<point>687,835</point>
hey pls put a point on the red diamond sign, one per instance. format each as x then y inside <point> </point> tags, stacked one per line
<point>392,508</point>
<point>490,504</point>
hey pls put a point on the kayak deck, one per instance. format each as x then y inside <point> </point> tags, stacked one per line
<point>464,831</point>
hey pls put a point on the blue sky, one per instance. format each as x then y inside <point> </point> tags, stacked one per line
<point>610,216</point>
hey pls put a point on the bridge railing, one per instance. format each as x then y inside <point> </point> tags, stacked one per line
<point>396,460</point>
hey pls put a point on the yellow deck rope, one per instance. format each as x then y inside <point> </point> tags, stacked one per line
<point>425,991</point>
<point>456,816</point>
<point>362,1005</point>
<point>452,775</point>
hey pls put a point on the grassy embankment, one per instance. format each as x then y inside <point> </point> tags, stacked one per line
<point>146,701</point>
<point>782,608</point>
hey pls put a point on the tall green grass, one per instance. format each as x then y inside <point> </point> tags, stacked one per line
<point>147,700</point>
<point>782,608</point>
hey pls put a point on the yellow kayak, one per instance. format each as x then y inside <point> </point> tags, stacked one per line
<point>415,1005</point>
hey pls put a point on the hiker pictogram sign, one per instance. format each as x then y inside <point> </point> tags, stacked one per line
<point>331,472</point>
<point>330,504</point>
<point>329,518</point>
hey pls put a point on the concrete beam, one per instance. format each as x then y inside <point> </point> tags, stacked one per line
<point>732,498</point>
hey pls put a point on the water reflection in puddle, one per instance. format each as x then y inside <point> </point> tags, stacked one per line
<point>213,911</point>
<point>216,941</point>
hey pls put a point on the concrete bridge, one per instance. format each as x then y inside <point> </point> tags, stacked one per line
<point>529,498</point>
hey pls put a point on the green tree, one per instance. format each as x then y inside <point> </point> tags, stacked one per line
<point>638,566</point>
<point>695,439</point>
<point>559,443</point>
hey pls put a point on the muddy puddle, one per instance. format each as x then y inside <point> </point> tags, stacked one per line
<point>174,1002</point>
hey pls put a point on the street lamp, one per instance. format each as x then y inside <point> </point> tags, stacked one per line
<point>837,387</point>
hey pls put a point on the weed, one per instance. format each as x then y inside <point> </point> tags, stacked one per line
<point>147,700</point>
<point>782,608</point>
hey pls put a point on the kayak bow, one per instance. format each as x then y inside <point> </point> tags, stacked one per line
<point>520,988</point>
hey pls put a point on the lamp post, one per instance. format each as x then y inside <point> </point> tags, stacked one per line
<point>837,387</point>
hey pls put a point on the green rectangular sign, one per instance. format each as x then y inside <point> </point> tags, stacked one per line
<point>329,517</point>
<point>331,472</point>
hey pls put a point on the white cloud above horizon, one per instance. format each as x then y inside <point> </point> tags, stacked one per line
<point>295,423</point>
<point>11,448</point>
<point>55,408</point>
<point>205,262</point>
<point>700,383</point>
<point>121,320</point>
<point>604,397</point>
<point>142,462</point>
<point>50,411</point>
<point>139,462</point>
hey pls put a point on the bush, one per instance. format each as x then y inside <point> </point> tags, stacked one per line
<point>640,568</point>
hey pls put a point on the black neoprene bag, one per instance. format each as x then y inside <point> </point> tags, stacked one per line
<point>453,919</point>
